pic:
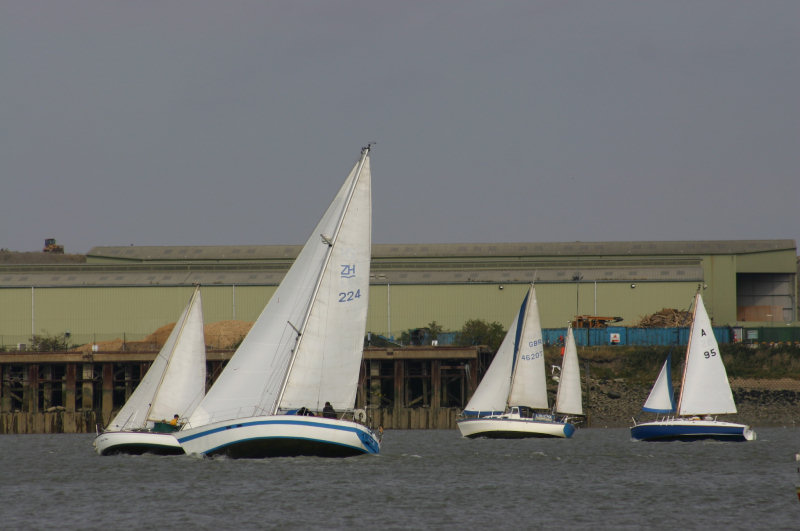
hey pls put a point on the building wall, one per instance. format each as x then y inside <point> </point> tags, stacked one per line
<point>131,299</point>
<point>131,313</point>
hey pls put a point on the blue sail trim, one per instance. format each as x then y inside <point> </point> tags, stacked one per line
<point>520,319</point>
<point>669,380</point>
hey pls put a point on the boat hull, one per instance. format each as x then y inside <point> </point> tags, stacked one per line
<point>280,436</point>
<point>137,443</point>
<point>499,428</point>
<point>690,430</point>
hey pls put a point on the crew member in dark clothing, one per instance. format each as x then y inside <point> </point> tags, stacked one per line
<point>328,412</point>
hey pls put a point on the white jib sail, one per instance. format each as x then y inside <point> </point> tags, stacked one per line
<point>529,381</point>
<point>569,398</point>
<point>661,399</point>
<point>491,396</point>
<point>705,383</point>
<point>176,380</point>
<point>251,381</point>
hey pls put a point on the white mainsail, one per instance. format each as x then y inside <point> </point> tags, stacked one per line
<point>529,381</point>
<point>661,398</point>
<point>176,380</point>
<point>569,400</point>
<point>706,390</point>
<point>328,357</point>
<point>309,338</point>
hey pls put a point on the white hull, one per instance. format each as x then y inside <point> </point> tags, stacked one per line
<point>137,442</point>
<point>513,428</point>
<point>280,436</point>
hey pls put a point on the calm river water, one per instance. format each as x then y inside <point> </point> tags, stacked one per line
<point>422,479</point>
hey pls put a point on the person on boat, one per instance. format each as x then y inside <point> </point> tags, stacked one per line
<point>328,412</point>
<point>305,412</point>
<point>174,421</point>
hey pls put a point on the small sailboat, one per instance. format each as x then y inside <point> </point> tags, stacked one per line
<point>705,391</point>
<point>172,387</point>
<point>511,400</point>
<point>304,350</point>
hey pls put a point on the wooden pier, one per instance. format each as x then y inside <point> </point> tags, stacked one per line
<point>421,387</point>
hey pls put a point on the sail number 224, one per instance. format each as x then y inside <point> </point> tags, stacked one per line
<point>347,296</point>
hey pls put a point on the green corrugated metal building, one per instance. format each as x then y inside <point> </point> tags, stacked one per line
<point>128,292</point>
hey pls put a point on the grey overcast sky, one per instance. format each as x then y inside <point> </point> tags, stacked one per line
<point>207,122</point>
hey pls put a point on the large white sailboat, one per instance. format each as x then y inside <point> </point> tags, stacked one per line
<point>705,392</point>
<point>511,400</point>
<point>304,350</point>
<point>173,386</point>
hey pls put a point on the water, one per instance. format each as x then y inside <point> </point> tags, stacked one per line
<point>422,479</point>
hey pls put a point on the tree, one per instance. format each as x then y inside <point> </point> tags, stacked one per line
<point>42,343</point>
<point>480,332</point>
<point>434,329</point>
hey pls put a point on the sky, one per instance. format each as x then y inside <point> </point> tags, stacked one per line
<point>200,122</point>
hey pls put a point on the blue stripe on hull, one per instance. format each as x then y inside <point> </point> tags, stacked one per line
<point>512,435</point>
<point>660,432</point>
<point>287,446</point>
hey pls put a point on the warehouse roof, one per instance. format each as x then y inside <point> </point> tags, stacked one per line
<point>452,250</point>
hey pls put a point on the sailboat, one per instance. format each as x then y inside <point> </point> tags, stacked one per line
<point>304,350</point>
<point>172,387</point>
<point>705,391</point>
<point>511,400</point>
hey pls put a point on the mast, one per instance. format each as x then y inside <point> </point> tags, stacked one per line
<point>330,241</point>
<point>688,346</point>
<point>519,334</point>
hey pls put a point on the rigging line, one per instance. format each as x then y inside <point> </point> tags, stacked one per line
<point>351,192</point>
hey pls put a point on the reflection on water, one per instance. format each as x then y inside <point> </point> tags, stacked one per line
<point>597,479</point>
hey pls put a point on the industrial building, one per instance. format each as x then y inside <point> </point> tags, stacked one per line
<point>128,292</point>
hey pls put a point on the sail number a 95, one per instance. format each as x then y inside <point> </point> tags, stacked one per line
<point>710,353</point>
<point>347,296</point>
